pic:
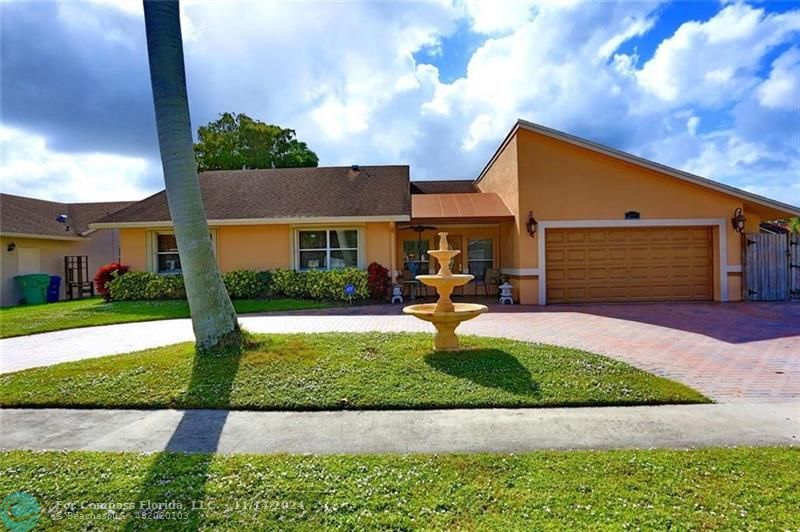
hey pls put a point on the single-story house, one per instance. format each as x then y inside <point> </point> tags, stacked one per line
<point>564,219</point>
<point>36,235</point>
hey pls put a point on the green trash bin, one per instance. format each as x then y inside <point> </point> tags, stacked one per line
<point>33,287</point>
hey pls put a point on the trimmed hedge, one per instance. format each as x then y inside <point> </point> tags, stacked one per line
<point>137,286</point>
<point>328,285</point>
<point>247,284</point>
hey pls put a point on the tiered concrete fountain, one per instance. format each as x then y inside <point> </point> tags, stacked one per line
<point>444,314</point>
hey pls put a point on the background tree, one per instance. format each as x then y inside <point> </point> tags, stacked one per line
<point>213,316</point>
<point>794,224</point>
<point>236,141</point>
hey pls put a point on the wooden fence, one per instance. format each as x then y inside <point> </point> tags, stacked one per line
<point>772,267</point>
<point>794,265</point>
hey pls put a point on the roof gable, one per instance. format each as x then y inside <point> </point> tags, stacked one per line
<point>775,206</point>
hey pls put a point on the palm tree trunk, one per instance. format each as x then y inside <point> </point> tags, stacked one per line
<point>213,316</point>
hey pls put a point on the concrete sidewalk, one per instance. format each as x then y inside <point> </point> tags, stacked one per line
<point>433,431</point>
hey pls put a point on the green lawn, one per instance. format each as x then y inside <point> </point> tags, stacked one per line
<point>730,489</point>
<point>30,319</point>
<point>344,371</point>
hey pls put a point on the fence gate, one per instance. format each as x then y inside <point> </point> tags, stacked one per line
<point>772,267</point>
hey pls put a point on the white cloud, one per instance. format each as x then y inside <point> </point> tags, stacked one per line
<point>711,62</point>
<point>692,123</point>
<point>547,70</point>
<point>344,76</point>
<point>491,16</point>
<point>29,168</point>
<point>636,27</point>
<point>782,89</point>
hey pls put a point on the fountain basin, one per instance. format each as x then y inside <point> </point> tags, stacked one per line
<point>455,279</point>
<point>446,321</point>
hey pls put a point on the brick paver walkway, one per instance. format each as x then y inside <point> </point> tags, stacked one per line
<point>729,351</point>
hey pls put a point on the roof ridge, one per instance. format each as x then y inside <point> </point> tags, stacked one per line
<point>33,199</point>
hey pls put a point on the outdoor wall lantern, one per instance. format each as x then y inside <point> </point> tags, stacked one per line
<point>738,220</point>
<point>11,247</point>
<point>531,224</point>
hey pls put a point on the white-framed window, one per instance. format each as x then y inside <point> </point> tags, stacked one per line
<point>327,249</point>
<point>165,258</point>
<point>480,256</point>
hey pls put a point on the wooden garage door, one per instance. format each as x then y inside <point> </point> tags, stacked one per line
<point>629,264</point>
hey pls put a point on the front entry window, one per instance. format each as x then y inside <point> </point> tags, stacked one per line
<point>415,256</point>
<point>480,255</point>
<point>327,249</point>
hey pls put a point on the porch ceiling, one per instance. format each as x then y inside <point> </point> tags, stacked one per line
<point>482,206</point>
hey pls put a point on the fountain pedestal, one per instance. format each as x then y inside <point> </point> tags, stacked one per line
<point>444,314</point>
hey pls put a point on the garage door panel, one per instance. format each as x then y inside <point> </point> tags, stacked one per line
<point>597,238</point>
<point>576,255</point>
<point>617,272</point>
<point>556,257</point>
<point>576,274</point>
<point>618,254</point>
<point>576,238</point>
<point>629,264</point>
<point>598,255</point>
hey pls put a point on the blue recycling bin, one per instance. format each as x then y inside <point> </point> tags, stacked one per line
<point>53,289</point>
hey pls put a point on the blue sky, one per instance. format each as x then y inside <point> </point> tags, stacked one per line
<point>709,87</point>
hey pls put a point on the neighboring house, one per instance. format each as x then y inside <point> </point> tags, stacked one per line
<point>565,219</point>
<point>34,240</point>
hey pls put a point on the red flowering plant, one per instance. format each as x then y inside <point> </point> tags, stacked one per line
<point>379,283</point>
<point>106,273</point>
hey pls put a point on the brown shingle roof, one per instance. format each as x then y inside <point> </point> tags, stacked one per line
<point>288,193</point>
<point>444,186</point>
<point>31,216</point>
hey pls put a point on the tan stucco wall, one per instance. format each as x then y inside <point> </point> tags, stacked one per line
<point>560,181</point>
<point>378,244</point>
<point>258,247</point>
<point>253,247</point>
<point>501,178</point>
<point>133,248</point>
<point>102,247</point>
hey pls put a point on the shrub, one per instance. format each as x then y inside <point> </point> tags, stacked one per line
<point>379,283</point>
<point>289,283</point>
<point>320,284</point>
<point>146,286</point>
<point>314,284</point>
<point>247,284</point>
<point>106,273</point>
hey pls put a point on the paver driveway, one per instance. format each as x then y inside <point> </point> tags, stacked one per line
<point>729,351</point>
